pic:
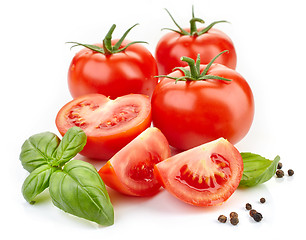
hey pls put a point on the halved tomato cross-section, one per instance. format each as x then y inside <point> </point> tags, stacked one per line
<point>131,170</point>
<point>108,124</point>
<point>206,175</point>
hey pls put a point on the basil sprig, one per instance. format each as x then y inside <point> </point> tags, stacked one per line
<point>74,186</point>
<point>257,169</point>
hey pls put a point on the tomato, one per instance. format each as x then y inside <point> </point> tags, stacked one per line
<point>131,170</point>
<point>108,124</point>
<point>113,73</point>
<point>206,175</point>
<point>193,112</point>
<point>190,42</point>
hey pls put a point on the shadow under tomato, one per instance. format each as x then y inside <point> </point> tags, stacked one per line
<point>174,151</point>
<point>121,200</point>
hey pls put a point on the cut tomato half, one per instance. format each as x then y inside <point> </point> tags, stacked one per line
<point>206,175</point>
<point>131,170</point>
<point>108,124</point>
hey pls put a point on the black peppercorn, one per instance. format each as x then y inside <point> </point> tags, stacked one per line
<point>222,218</point>
<point>262,200</point>
<point>279,173</point>
<point>290,172</point>
<point>233,214</point>
<point>248,206</point>
<point>279,165</point>
<point>257,217</point>
<point>253,212</point>
<point>234,220</point>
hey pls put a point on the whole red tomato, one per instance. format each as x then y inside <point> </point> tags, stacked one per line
<point>190,42</point>
<point>195,105</point>
<point>114,68</point>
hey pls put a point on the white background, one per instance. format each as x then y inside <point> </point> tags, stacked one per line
<point>269,37</point>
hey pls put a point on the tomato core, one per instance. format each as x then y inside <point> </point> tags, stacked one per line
<point>210,176</point>
<point>75,114</point>
<point>119,115</point>
<point>144,171</point>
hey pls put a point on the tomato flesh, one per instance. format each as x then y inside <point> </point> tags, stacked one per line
<point>108,124</point>
<point>131,170</point>
<point>209,178</point>
<point>144,170</point>
<point>206,175</point>
<point>122,115</point>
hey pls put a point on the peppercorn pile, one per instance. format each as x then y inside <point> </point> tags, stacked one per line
<point>257,216</point>
<point>234,220</point>
<point>280,173</point>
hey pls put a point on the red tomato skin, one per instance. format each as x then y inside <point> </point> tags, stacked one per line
<point>168,170</point>
<point>115,173</point>
<point>109,177</point>
<point>118,74</point>
<point>102,146</point>
<point>172,46</point>
<point>195,112</point>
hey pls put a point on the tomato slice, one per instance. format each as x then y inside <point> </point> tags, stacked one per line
<point>131,170</point>
<point>206,175</point>
<point>108,124</point>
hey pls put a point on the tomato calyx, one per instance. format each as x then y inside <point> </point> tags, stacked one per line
<point>194,73</point>
<point>193,28</point>
<point>108,48</point>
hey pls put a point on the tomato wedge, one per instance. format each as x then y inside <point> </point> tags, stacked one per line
<point>206,175</point>
<point>131,170</point>
<point>108,124</point>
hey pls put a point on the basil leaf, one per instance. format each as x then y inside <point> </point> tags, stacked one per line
<point>257,169</point>
<point>72,143</point>
<point>37,181</point>
<point>78,189</point>
<point>38,150</point>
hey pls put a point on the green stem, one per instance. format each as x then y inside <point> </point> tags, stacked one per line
<point>191,64</point>
<point>193,28</point>
<point>107,41</point>
<point>193,73</point>
<point>108,48</point>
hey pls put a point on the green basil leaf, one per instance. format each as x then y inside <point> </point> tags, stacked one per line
<point>37,181</point>
<point>257,169</point>
<point>38,150</point>
<point>79,190</point>
<point>72,143</point>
